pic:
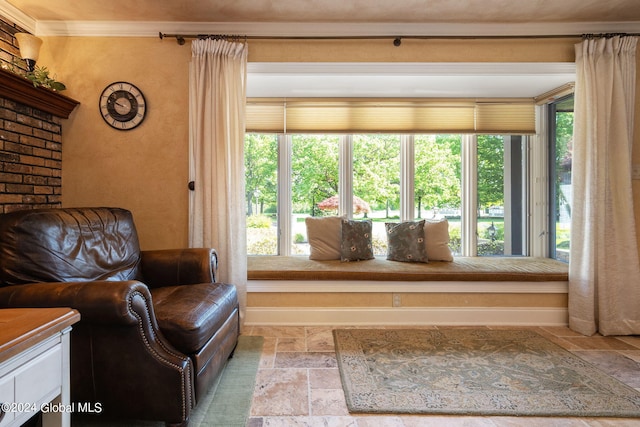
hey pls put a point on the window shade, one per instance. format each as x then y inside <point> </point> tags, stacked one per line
<point>338,115</point>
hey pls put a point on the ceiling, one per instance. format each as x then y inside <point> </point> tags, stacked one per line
<point>334,11</point>
<point>351,18</point>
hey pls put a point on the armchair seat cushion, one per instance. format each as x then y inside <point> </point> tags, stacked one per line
<point>189,316</point>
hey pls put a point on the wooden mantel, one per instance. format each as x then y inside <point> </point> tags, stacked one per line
<point>21,90</point>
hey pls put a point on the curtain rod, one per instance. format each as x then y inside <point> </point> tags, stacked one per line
<point>397,40</point>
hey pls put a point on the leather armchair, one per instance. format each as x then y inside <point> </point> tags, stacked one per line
<point>156,328</point>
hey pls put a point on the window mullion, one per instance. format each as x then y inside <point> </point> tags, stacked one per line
<point>285,214</point>
<point>345,180</point>
<point>540,207</point>
<point>407,172</point>
<point>468,220</point>
<point>509,200</point>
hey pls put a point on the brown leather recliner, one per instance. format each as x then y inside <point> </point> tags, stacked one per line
<point>155,328</point>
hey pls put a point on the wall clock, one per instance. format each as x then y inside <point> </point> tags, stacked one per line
<point>122,106</point>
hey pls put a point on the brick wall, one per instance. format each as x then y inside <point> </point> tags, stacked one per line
<point>30,146</point>
<point>8,44</point>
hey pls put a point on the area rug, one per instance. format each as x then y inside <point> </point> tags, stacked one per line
<point>473,372</point>
<point>228,402</point>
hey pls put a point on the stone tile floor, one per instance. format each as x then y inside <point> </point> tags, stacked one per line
<point>298,383</point>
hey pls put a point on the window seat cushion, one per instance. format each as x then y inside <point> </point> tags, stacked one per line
<point>264,267</point>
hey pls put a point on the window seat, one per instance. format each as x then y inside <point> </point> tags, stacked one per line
<point>467,269</point>
<point>468,291</point>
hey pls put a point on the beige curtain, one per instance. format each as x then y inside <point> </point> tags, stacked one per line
<point>604,271</point>
<point>217,94</point>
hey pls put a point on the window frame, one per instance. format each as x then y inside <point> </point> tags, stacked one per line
<point>550,132</point>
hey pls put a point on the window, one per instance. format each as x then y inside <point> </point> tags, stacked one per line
<point>478,183</point>
<point>261,188</point>
<point>561,140</point>
<point>314,183</point>
<point>502,195</point>
<point>437,181</point>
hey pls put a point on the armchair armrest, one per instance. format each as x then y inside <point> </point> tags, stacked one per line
<point>117,351</point>
<point>104,302</point>
<point>170,267</point>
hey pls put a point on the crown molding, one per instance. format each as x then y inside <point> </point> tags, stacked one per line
<point>16,16</point>
<point>305,29</point>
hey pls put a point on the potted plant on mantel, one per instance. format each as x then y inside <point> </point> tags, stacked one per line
<point>39,76</point>
<point>35,88</point>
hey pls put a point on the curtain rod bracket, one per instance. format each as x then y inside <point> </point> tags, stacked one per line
<point>179,38</point>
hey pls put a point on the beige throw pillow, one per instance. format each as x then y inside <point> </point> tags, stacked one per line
<point>324,235</point>
<point>436,234</point>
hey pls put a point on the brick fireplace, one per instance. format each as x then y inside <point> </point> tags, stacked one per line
<point>30,137</point>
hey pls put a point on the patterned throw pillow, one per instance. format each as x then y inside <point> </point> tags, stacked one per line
<point>356,240</point>
<point>406,241</point>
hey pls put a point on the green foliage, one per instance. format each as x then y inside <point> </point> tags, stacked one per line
<point>491,248</point>
<point>455,238</point>
<point>564,136</point>
<point>258,221</point>
<point>299,238</point>
<point>265,246</point>
<point>376,170</point>
<point>379,245</point>
<point>314,171</point>
<point>490,171</point>
<point>563,166</point>
<point>437,171</point>
<point>563,236</point>
<point>262,241</point>
<point>39,77</point>
<point>261,171</point>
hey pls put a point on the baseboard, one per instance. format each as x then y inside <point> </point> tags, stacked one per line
<point>516,316</point>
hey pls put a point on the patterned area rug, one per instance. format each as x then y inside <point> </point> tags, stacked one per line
<point>473,372</point>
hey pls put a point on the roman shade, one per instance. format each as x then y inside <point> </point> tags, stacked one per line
<point>366,115</point>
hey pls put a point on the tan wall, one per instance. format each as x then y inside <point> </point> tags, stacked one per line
<point>385,299</point>
<point>146,169</point>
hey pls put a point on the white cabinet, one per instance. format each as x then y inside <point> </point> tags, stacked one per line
<point>34,365</point>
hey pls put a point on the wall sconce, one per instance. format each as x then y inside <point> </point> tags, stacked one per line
<point>29,48</point>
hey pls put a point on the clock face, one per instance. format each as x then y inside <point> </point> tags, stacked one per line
<point>122,105</point>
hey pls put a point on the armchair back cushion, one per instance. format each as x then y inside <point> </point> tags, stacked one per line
<point>102,241</point>
<point>145,349</point>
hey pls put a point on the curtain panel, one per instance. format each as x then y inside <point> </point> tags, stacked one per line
<point>604,271</point>
<point>217,97</point>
